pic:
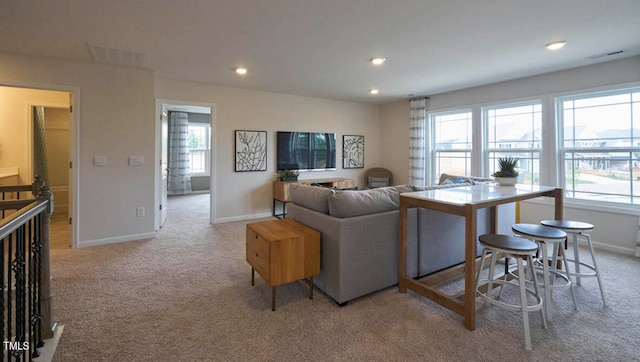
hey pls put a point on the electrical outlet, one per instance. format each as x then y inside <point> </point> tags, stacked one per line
<point>140,211</point>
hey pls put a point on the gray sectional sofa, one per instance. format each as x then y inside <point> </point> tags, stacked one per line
<point>359,236</point>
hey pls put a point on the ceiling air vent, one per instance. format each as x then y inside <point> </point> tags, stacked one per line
<point>120,56</point>
<point>607,56</point>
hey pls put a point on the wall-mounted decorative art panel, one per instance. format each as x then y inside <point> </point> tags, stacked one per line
<point>352,151</point>
<point>251,151</point>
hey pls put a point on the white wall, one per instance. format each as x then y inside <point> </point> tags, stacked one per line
<point>16,130</point>
<point>613,231</point>
<point>395,142</point>
<point>116,119</point>
<point>249,194</point>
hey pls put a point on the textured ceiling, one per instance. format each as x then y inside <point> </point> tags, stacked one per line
<point>322,48</point>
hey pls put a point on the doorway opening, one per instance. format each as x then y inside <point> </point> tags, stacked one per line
<point>175,175</point>
<point>43,134</point>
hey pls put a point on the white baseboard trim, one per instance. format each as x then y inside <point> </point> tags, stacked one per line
<point>603,246</point>
<point>614,248</point>
<point>117,239</point>
<point>241,218</point>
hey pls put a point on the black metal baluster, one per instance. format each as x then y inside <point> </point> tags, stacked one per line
<point>39,276</point>
<point>2,281</point>
<point>9,281</point>
<point>37,320</point>
<point>31,291</point>
<point>19,271</point>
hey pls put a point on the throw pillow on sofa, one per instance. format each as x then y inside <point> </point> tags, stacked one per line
<point>375,182</point>
<point>471,180</point>
<point>365,202</point>
<point>311,197</point>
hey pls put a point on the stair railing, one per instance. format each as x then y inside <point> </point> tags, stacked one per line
<point>25,298</point>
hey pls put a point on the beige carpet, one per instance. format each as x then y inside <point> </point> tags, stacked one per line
<point>186,296</point>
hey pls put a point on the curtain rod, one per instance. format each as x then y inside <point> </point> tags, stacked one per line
<point>415,99</point>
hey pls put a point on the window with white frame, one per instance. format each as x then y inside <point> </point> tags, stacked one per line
<point>451,143</point>
<point>514,130</point>
<point>199,148</point>
<point>600,145</point>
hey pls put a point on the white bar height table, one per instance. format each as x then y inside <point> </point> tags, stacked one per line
<point>463,201</point>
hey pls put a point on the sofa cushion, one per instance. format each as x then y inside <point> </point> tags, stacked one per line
<point>311,197</point>
<point>403,188</point>
<point>471,180</point>
<point>435,187</point>
<point>356,203</point>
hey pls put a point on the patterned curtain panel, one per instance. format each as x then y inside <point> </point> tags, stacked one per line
<point>417,123</point>
<point>39,145</point>
<point>179,178</point>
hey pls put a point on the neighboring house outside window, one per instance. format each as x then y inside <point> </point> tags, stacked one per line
<point>591,143</point>
<point>199,148</point>
<point>515,130</point>
<point>451,143</point>
<point>600,145</point>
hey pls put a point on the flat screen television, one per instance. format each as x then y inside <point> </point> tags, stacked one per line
<point>306,151</point>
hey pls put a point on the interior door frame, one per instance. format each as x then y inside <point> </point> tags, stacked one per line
<point>74,179</point>
<point>158,169</point>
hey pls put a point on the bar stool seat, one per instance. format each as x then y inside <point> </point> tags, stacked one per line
<point>517,248</point>
<point>544,235</point>
<point>579,229</point>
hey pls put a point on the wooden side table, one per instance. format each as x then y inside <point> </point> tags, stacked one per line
<point>283,251</point>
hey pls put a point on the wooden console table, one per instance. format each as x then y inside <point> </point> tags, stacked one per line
<point>281,190</point>
<point>463,201</point>
<point>283,251</point>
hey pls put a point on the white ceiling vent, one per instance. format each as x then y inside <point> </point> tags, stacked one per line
<point>607,56</point>
<point>120,56</point>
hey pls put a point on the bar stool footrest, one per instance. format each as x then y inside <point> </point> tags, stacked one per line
<point>509,306</point>
<point>592,273</point>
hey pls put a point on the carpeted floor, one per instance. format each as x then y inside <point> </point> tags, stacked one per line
<point>186,296</point>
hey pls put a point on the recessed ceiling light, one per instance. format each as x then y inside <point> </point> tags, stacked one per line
<point>377,60</point>
<point>241,70</point>
<point>374,91</point>
<point>556,45</point>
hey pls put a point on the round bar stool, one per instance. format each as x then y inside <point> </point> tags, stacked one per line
<point>517,248</point>
<point>576,229</point>
<point>544,235</point>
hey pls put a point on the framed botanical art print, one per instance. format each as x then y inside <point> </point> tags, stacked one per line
<point>352,151</point>
<point>251,151</point>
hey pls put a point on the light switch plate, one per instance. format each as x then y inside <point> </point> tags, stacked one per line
<point>99,160</point>
<point>136,160</point>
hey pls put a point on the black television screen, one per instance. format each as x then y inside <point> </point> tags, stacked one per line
<point>306,151</point>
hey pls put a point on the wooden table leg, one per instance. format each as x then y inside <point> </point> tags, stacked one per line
<point>469,269</point>
<point>559,203</point>
<point>311,288</point>
<point>559,214</point>
<point>273,299</point>
<point>252,275</point>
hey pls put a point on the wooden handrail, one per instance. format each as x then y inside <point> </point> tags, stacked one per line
<point>16,188</point>
<point>15,204</point>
